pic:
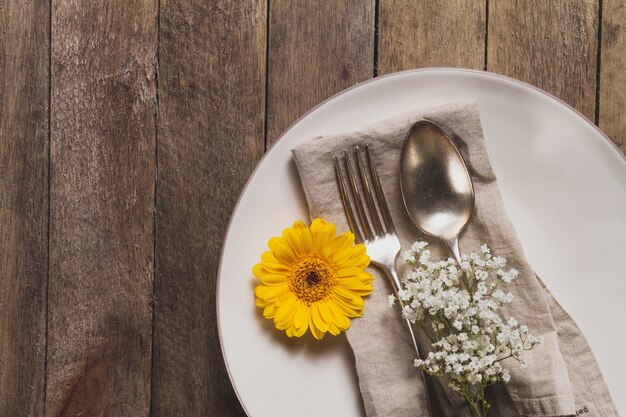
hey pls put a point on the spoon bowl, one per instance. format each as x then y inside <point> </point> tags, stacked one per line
<point>437,189</point>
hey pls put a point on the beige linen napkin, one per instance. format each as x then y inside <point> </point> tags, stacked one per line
<point>562,377</point>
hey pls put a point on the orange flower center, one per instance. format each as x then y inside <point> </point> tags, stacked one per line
<point>312,279</point>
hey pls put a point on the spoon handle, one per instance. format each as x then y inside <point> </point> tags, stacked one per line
<point>453,245</point>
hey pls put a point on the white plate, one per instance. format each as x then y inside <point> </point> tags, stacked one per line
<point>563,184</point>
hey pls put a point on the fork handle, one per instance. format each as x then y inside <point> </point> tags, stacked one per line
<point>434,409</point>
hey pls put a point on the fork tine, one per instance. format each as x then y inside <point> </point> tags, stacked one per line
<point>358,201</point>
<point>378,227</point>
<point>380,196</point>
<point>347,208</point>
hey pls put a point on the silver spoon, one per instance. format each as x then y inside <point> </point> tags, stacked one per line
<point>436,187</point>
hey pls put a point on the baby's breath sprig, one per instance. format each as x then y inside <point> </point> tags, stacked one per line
<point>457,309</point>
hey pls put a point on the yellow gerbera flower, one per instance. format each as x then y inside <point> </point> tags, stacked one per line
<point>312,279</point>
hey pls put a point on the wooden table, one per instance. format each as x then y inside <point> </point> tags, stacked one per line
<point>128,129</point>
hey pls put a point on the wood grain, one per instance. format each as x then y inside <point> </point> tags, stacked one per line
<point>212,99</point>
<point>550,44</point>
<point>24,76</point>
<point>437,33</point>
<point>612,97</point>
<point>315,50</point>
<point>103,145</point>
<point>107,252</point>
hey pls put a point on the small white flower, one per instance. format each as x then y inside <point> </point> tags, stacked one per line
<point>419,246</point>
<point>405,295</point>
<point>408,257</point>
<point>506,376</point>
<point>464,314</point>
<point>499,261</point>
<point>481,274</point>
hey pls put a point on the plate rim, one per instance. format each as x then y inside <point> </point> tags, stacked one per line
<point>482,73</point>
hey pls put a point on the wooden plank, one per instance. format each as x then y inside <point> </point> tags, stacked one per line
<point>612,100</point>
<point>212,99</point>
<point>24,77</point>
<point>550,44</point>
<point>437,33</point>
<point>315,50</point>
<point>103,168</point>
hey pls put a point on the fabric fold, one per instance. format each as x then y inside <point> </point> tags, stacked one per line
<point>551,384</point>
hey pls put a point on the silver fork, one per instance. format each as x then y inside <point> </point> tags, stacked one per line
<point>373,226</point>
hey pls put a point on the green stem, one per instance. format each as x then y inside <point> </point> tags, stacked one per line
<point>476,404</point>
<point>426,332</point>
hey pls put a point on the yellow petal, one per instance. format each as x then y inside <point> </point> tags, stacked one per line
<point>364,277</point>
<point>350,255</point>
<point>317,333</point>
<point>301,328</point>
<point>347,311</point>
<point>346,308</point>
<point>338,244</point>
<point>282,250</point>
<point>306,240</point>
<point>301,315</point>
<point>273,279</point>
<point>339,318</point>
<point>317,319</point>
<point>363,262</point>
<point>334,330</point>
<point>300,331</point>
<point>353,256</point>
<point>269,257</point>
<point>350,298</point>
<point>270,268</point>
<point>319,223</point>
<point>322,233</point>
<point>355,286</point>
<point>348,272</point>
<point>325,312</point>
<point>284,317</point>
<point>269,293</point>
<point>300,238</point>
<point>291,236</point>
<point>269,311</point>
<point>258,270</point>
<point>287,298</point>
